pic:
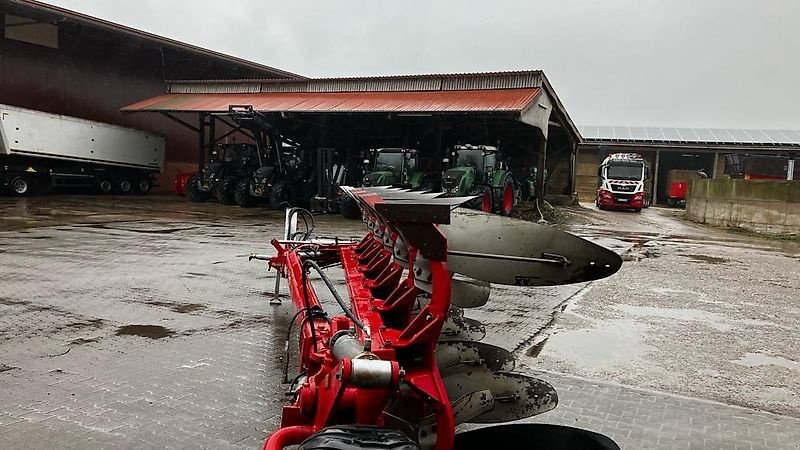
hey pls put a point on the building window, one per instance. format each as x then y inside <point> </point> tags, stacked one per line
<point>28,30</point>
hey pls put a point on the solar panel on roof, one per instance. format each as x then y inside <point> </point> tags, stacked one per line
<point>622,133</point>
<point>792,135</point>
<point>687,134</point>
<point>671,134</point>
<point>740,136</point>
<point>718,135</point>
<point>654,134</point>
<point>637,133</point>
<point>705,135</point>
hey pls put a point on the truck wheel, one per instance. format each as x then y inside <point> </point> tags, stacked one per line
<point>349,208</point>
<point>193,192</point>
<point>125,186</point>
<point>20,186</point>
<point>242,194</point>
<point>281,193</point>
<point>227,191</point>
<point>143,187</point>
<point>507,198</point>
<point>105,186</point>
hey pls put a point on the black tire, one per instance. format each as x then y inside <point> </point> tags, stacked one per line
<point>501,205</point>
<point>124,186</point>
<point>638,210</point>
<point>241,194</point>
<point>105,186</point>
<point>351,437</point>
<point>349,208</point>
<point>477,203</point>
<point>282,193</point>
<point>143,186</point>
<point>227,191</point>
<point>193,192</point>
<point>429,185</point>
<point>21,186</point>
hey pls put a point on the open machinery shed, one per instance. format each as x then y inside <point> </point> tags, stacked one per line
<point>517,111</point>
<point>711,150</point>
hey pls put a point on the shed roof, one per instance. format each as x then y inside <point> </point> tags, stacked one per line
<point>506,100</point>
<point>682,136</point>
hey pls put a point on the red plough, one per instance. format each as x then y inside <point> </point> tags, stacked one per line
<point>401,367</point>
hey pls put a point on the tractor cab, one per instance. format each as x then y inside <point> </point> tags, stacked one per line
<point>391,167</point>
<point>478,170</point>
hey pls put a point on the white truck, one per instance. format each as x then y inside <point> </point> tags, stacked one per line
<point>43,150</point>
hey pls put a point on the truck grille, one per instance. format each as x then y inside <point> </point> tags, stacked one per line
<point>623,187</point>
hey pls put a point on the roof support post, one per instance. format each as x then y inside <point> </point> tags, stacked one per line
<point>541,167</point>
<point>714,169</point>
<point>655,177</point>
<point>201,133</point>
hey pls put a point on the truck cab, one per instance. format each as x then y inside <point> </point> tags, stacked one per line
<point>624,182</point>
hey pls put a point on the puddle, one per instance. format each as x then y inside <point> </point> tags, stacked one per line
<point>183,308</point>
<point>762,359</point>
<point>148,331</point>
<point>713,320</point>
<point>612,344</point>
<point>707,259</point>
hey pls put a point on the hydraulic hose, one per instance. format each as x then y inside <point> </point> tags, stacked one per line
<point>347,311</point>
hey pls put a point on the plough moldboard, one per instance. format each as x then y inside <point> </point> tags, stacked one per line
<point>401,367</point>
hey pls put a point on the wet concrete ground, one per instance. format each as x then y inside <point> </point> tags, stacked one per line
<point>696,311</point>
<point>138,322</point>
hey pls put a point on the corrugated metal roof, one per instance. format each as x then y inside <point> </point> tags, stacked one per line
<point>397,83</point>
<point>690,135</point>
<point>63,13</point>
<point>501,100</point>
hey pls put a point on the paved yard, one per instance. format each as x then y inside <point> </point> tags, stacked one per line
<point>139,323</point>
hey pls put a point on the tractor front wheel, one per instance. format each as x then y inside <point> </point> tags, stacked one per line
<point>226,193</point>
<point>242,194</point>
<point>282,194</point>
<point>193,192</point>
<point>507,199</point>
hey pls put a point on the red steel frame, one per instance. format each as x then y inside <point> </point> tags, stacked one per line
<point>326,398</point>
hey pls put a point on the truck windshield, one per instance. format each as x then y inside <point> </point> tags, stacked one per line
<point>624,172</point>
<point>392,162</point>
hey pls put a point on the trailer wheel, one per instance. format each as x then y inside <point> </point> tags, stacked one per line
<point>105,186</point>
<point>20,186</point>
<point>125,186</point>
<point>227,191</point>
<point>350,437</point>
<point>242,194</point>
<point>282,193</point>
<point>143,187</point>
<point>349,208</point>
<point>193,192</point>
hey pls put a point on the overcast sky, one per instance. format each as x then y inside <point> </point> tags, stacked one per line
<point>690,63</point>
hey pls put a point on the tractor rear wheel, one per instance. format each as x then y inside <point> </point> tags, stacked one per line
<point>193,192</point>
<point>352,437</point>
<point>281,194</point>
<point>349,208</point>
<point>242,194</point>
<point>507,198</point>
<point>226,192</point>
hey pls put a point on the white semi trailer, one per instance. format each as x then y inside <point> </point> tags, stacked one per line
<point>44,150</point>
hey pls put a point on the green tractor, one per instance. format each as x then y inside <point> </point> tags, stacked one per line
<point>478,170</point>
<point>398,167</point>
